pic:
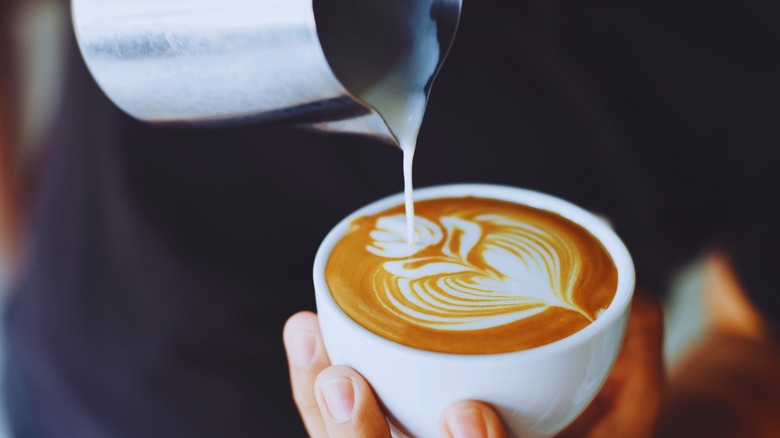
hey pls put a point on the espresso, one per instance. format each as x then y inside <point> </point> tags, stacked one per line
<point>482,276</point>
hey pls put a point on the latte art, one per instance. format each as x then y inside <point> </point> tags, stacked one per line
<point>477,268</point>
<point>492,271</point>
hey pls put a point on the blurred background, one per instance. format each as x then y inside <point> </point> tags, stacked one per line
<point>38,30</point>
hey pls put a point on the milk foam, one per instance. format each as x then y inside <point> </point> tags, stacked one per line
<point>472,273</point>
<point>483,276</point>
<point>390,241</point>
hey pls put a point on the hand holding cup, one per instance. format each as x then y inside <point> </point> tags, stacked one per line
<point>336,401</point>
<point>504,304</point>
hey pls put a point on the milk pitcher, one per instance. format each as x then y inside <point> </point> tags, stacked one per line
<point>328,64</point>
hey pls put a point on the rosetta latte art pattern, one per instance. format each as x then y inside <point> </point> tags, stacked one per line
<point>482,276</point>
<point>485,272</point>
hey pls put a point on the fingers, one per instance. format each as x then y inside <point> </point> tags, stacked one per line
<point>628,403</point>
<point>639,367</point>
<point>336,401</point>
<point>306,358</point>
<point>471,419</point>
<point>348,405</point>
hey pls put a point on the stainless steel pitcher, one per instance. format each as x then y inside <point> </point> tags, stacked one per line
<point>259,61</point>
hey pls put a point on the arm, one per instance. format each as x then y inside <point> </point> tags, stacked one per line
<point>9,188</point>
<point>730,385</point>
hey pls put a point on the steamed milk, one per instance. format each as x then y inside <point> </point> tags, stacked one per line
<point>386,53</point>
<point>483,276</point>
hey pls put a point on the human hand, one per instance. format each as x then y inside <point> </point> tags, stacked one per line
<point>627,405</point>
<point>336,401</point>
<point>629,402</point>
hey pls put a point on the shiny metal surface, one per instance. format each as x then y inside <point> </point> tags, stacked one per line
<point>228,61</point>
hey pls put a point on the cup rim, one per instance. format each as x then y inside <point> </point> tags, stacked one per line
<point>598,227</point>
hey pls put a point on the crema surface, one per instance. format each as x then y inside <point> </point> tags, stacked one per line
<point>483,276</point>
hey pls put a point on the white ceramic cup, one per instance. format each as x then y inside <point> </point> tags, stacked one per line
<point>537,392</point>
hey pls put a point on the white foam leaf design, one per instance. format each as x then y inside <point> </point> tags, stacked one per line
<point>420,268</point>
<point>479,279</point>
<point>390,236</point>
<point>462,236</point>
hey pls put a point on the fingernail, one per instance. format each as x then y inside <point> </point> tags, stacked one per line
<point>339,397</point>
<point>467,423</point>
<point>302,347</point>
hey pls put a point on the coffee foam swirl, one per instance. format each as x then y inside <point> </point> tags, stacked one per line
<point>492,271</point>
<point>390,236</point>
<point>478,269</point>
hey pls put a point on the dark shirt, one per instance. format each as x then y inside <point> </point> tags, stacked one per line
<point>164,261</point>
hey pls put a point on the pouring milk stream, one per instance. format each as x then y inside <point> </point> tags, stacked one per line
<point>390,71</point>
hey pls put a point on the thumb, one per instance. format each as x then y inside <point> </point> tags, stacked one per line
<point>471,419</point>
<point>348,405</point>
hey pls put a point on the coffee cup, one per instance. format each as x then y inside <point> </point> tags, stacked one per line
<point>536,391</point>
